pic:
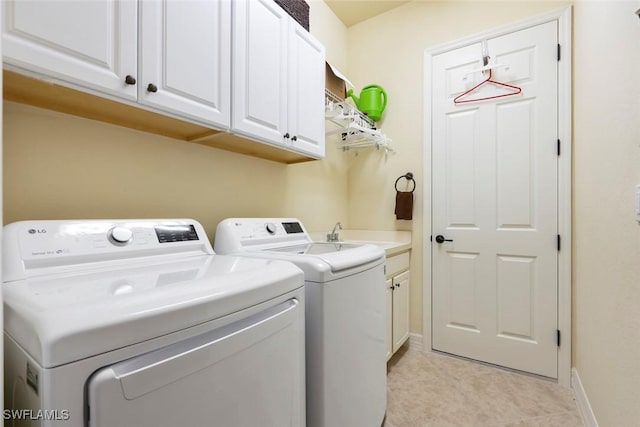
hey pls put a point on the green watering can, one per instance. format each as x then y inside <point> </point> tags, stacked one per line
<point>372,101</point>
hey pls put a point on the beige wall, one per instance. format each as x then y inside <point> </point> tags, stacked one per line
<point>60,166</point>
<point>389,50</point>
<point>606,272</point>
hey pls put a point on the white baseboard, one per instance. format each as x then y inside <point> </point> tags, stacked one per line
<point>584,407</point>
<point>415,342</point>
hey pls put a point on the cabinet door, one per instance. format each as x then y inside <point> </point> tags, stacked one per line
<point>306,92</point>
<point>91,44</point>
<point>185,56</point>
<point>389,309</point>
<point>260,32</point>
<point>400,310</point>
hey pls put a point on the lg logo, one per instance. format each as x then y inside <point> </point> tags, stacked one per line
<point>37,231</point>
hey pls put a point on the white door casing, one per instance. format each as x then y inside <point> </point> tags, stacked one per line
<point>509,207</point>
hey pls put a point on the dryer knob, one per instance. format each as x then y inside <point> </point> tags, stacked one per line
<point>271,228</point>
<point>120,236</point>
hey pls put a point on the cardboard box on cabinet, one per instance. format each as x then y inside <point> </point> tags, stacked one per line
<point>335,84</point>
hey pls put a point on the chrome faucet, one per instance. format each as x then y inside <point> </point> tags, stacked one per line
<point>333,236</point>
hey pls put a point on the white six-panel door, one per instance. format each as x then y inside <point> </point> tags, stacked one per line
<point>494,166</point>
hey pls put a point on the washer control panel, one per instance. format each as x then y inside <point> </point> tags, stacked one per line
<point>233,234</point>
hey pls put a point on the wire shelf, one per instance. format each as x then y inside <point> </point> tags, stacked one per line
<point>354,129</point>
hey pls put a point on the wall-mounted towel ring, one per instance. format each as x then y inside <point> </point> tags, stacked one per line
<point>404,199</point>
<point>409,177</point>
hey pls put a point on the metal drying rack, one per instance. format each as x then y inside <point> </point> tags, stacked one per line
<point>354,128</point>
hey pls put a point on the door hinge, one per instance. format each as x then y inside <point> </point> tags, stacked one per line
<point>558,242</point>
<point>558,337</point>
<point>558,51</point>
<point>558,147</point>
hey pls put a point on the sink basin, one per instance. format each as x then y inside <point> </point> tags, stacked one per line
<point>383,245</point>
<point>391,242</point>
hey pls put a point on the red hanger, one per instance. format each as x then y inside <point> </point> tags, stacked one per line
<point>516,90</point>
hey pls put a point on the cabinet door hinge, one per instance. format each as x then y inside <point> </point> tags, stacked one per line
<point>558,147</point>
<point>558,337</point>
<point>558,51</point>
<point>558,242</point>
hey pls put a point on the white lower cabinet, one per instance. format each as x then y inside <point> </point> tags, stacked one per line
<point>397,302</point>
<point>389,305</point>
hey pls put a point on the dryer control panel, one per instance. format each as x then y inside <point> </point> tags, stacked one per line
<point>34,246</point>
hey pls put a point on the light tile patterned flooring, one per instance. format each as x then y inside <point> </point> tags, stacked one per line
<point>433,390</point>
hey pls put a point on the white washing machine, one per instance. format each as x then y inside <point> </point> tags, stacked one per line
<point>137,323</point>
<point>345,316</point>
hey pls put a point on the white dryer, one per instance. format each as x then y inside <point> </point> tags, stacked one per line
<point>137,323</point>
<point>345,316</point>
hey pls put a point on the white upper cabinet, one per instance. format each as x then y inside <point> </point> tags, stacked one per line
<point>278,84</point>
<point>179,62</point>
<point>306,92</point>
<point>243,66</point>
<point>185,59</point>
<point>260,69</point>
<point>93,44</point>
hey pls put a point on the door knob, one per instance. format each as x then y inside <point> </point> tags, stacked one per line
<point>152,88</point>
<point>440,239</point>
<point>130,80</point>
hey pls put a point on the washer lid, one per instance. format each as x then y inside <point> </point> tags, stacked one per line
<point>62,318</point>
<point>322,261</point>
<point>316,248</point>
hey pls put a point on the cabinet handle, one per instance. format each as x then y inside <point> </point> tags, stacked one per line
<point>130,80</point>
<point>152,88</point>
<point>295,138</point>
<point>286,135</point>
<point>398,285</point>
<point>392,287</point>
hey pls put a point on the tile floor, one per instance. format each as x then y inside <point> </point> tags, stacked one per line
<point>433,390</point>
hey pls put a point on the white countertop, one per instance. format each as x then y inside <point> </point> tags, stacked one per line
<point>392,242</point>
